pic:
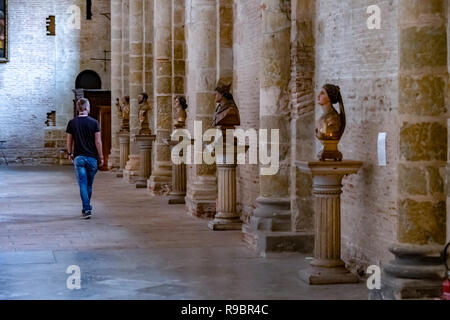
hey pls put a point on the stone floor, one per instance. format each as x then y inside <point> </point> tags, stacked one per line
<point>135,247</point>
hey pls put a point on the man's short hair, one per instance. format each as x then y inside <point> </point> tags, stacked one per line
<point>83,105</point>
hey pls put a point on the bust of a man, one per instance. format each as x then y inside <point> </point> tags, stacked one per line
<point>123,106</point>
<point>226,113</point>
<point>144,109</point>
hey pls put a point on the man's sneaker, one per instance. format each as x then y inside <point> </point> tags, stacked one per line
<point>86,215</point>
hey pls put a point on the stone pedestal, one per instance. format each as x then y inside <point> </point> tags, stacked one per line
<point>178,193</point>
<point>144,143</point>
<point>417,272</point>
<point>327,266</point>
<point>226,217</point>
<point>124,140</point>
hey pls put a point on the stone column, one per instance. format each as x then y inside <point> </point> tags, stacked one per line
<point>226,217</point>
<point>302,101</point>
<point>124,140</point>
<point>125,48</point>
<point>417,271</point>
<point>145,143</point>
<point>270,225</point>
<point>327,266</point>
<point>201,23</point>
<point>136,83</point>
<point>225,40</point>
<point>148,55</point>
<point>116,80</point>
<point>159,182</point>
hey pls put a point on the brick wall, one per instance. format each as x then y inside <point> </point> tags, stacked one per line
<point>247,48</point>
<point>41,73</point>
<point>364,63</point>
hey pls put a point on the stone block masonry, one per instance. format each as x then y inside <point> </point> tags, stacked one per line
<point>41,74</point>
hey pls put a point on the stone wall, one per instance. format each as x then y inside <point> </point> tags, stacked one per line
<point>423,118</point>
<point>364,63</point>
<point>247,47</point>
<point>41,73</point>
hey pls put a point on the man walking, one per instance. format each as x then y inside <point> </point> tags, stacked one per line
<point>84,145</point>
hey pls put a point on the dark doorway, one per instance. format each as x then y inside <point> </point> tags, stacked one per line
<point>88,79</point>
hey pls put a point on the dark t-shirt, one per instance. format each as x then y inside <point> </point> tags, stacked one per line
<point>83,131</point>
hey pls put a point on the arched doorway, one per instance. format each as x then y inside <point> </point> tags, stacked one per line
<point>88,79</point>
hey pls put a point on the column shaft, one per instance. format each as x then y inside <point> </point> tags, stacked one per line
<point>136,82</point>
<point>201,23</point>
<point>116,80</point>
<point>159,182</point>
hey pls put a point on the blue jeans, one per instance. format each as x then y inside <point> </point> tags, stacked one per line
<point>85,168</point>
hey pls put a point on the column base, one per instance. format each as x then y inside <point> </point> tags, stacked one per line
<point>114,160</point>
<point>201,208</point>
<point>417,272</point>
<point>319,275</point>
<point>141,184</point>
<point>177,198</point>
<point>119,173</point>
<point>269,229</point>
<point>269,241</point>
<point>271,214</point>
<point>130,176</point>
<point>131,171</point>
<point>160,181</point>
<point>225,224</point>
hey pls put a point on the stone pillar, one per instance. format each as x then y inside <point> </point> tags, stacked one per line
<point>145,143</point>
<point>201,23</point>
<point>225,40</point>
<point>124,140</point>
<point>148,56</point>
<point>226,217</point>
<point>327,266</point>
<point>116,80</point>
<point>125,48</point>
<point>159,182</point>
<point>270,226</point>
<point>302,101</point>
<point>417,271</point>
<point>136,83</point>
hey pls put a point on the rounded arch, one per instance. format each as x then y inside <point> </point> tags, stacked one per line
<point>88,79</point>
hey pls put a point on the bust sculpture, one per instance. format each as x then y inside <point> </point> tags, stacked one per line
<point>180,112</point>
<point>123,106</point>
<point>226,114</point>
<point>144,109</point>
<point>331,125</point>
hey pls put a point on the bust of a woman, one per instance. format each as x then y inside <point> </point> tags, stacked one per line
<point>331,124</point>
<point>180,112</point>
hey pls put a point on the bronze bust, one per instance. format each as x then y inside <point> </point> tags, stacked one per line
<point>331,124</point>
<point>144,110</point>
<point>180,112</point>
<point>226,114</point>
<point>123,106</point>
